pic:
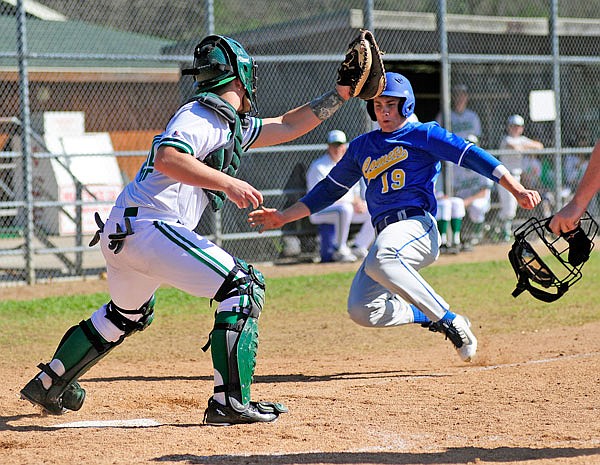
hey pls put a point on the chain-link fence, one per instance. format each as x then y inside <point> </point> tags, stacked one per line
<point>85,86</point>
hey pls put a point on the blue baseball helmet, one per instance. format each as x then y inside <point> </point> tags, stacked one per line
<point>396,86</point>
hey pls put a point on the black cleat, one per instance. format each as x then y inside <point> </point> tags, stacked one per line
<point>460,334</point>
<point>217,414</point>
<point>448,250</point>
<point>71,399</point>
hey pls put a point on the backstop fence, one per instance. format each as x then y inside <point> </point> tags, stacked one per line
<point>85,86</point>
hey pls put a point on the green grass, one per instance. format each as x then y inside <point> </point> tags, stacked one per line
<point>480,290</point>
<point>484,290</point>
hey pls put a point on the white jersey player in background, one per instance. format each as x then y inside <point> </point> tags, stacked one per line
<point>517,141</point>
<point>351,208</point>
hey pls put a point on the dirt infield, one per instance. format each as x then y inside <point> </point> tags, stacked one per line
<point>356,396</point>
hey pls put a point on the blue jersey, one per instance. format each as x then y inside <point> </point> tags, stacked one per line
<point>400,168</point>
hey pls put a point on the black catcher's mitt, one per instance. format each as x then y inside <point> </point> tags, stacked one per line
<point>362,68</point>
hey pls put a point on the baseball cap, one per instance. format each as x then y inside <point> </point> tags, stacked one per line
<point>336,137</point>
<point>473,139</point>
<point>460,88</point>
<point>516,120</point>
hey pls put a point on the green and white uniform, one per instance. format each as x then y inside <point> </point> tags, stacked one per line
<point>149,240</point>
<point>161,247</point>
<point>164,249</point>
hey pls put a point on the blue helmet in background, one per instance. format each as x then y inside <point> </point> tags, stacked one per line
<point>396,86</point>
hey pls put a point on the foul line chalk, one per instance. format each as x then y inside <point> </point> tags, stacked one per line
<point>476,369</point>
<point>135,423</point>
<point>535,362</point>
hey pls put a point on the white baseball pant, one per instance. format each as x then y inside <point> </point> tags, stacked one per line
<point>388,280</point>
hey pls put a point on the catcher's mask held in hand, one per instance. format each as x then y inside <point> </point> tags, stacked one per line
<point>219,60</point>
<point>534,266</point>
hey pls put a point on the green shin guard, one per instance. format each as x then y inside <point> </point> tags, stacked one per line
<point>234,345</point>
<point>80,349</point>
<point>234,338</point>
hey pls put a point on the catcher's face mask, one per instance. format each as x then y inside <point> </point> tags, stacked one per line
<point>544,262</point>
<point>219,60</point>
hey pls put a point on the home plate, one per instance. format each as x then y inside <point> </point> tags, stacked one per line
<point>135,423</point>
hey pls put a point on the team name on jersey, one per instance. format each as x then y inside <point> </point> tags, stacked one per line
<point>373,168</point>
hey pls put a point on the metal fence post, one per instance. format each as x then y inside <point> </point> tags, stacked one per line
<point>369,16</point>
<point>557,91</point>
<point>78,226</point>
<point>210,16</point>
<point>219,228</point>
<point>445,80</point>
<point>25,139</point>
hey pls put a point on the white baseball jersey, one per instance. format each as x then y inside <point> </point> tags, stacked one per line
<point>341,213</point>
<point>466,123</point>
<point>197,131</point>
<point>319,169</point>
<point>513,161</point>
<point>163,248</point>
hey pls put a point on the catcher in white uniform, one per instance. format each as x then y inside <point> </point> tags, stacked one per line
<point>148,238</point>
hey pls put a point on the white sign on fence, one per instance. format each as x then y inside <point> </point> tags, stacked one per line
<point>55,179</point>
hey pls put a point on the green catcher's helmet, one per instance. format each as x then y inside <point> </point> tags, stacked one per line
<point>219,60</point>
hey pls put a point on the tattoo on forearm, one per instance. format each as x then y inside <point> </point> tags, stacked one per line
<point>326,105</point>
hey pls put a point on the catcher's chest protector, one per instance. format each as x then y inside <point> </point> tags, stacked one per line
<point>227,157</point>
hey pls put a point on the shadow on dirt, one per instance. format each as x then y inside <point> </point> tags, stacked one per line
<point>288,378</point>
<point>450,456</point>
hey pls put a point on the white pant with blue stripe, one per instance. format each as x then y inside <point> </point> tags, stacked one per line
<point>388,280</point>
